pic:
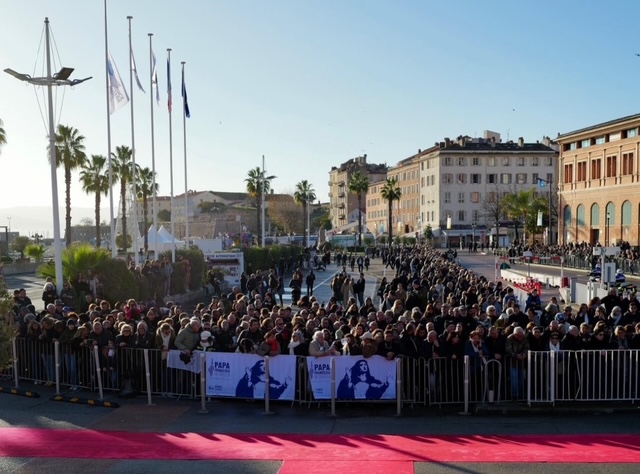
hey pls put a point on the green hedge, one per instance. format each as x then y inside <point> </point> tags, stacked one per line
<point>198,269</point>
<point>261,259</point>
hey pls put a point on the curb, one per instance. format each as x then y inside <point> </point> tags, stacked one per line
<point>84,401</point>
<point>17,391</point>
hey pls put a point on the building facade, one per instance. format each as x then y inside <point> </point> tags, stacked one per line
<point>599,174</point>
<point>342,202</point>
<point>461,179</point>
<point>406,215</point>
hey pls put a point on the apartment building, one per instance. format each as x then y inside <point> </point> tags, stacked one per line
<point>599,175</point>
<point>377,217</point>
<point>344,204</point>
<point>406,215</point>
<point>460,179</point>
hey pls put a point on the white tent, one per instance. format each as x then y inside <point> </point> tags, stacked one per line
<point>165,240</point>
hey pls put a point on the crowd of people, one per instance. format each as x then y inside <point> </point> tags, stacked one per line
<point>429,308</point>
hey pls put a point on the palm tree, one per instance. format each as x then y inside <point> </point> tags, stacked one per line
<point>95,180</point>
<point>391,192</point>
<point>121,164</point>
<point>358,184</point>
<point>304,195</point>
<point>522,205</point>
<point>70,154</point>
<point>145,188</point>
<point>256,181</point>
<point>3,136</point>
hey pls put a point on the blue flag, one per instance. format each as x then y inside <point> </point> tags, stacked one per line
<point>185,102</point>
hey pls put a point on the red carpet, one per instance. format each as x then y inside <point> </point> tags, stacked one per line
<point>300,451</point>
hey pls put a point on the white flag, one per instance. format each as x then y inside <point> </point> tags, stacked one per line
<point>135,71</point>
<point>118,96</point>
<point>154,78</point>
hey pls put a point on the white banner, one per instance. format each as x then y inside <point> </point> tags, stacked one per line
<point>243,376</point>
<point>192,363</point>
<point>357,378</point>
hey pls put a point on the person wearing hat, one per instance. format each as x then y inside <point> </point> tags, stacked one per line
<point>369,345</point>
<point>207,342</point>
<point>49,294</point>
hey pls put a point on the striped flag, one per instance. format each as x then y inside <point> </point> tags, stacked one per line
<point>154,77</point>
<point>185,102</point>
<point>169,103</point>
<point>118,96</point>
<point>135,71</point>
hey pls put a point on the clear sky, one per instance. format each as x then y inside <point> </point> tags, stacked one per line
<point>310,84</point>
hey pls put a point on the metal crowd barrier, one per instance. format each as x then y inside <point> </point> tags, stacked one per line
<point>544,377</point>
<point>601,375</point>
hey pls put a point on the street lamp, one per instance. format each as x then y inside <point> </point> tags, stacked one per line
<point>61,78</point>
<point>542,183</point>
<point>606,230</point>
<point>473,239</point>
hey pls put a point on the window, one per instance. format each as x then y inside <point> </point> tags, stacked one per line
<point>422,182</point>
<point>447,161</point>
<point>601,140</point>
<point>535,178</point>
<point>549,161</point>
<point>520,161</point>
<point>505,178</point>
<point>475,161</point>
<point>568,174</point>
<point>581,216</point>
<point>521,178</point>
<point>535,161</point>
<point>582,171</point>
<point>626,213</point>
<point>462,161</point>
<point>627,163</point>
<point>611,166</point>
<point>585,143</point>
<point>491,196</point>
<point>447,197</point>
<point>422,166</point>
<point>595,215</point>
<point>573,146</point>
<point>476,179</point>
<point>461,216</point>
<point>475,197</point>
<point>447,178</point>
<point>632,132</point>
<point>491,161</point>
<point>462,178</point>
<point>492,178</point>
<point>475,215</point>
<point>596,168</point>
<point>505,161</point>
<point>460,198</point>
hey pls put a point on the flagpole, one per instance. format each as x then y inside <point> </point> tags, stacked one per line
<point>173,228</point>
<point>152,67</point>
<point>134,205</point>
<point>114,248</point>
<point>184,135</point>
<point>262,180</point>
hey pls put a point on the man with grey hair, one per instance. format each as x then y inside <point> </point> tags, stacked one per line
<point>516,349</point>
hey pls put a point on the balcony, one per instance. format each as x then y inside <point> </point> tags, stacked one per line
<point>341,205</point>
<point>341,194</point>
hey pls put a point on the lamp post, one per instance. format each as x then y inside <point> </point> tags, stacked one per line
<point>542,183</point>
<point>61,78</point>
<point>473,238</point>
<point>606,230</point>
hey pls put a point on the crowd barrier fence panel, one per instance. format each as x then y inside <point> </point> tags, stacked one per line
<point>544,377</point>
